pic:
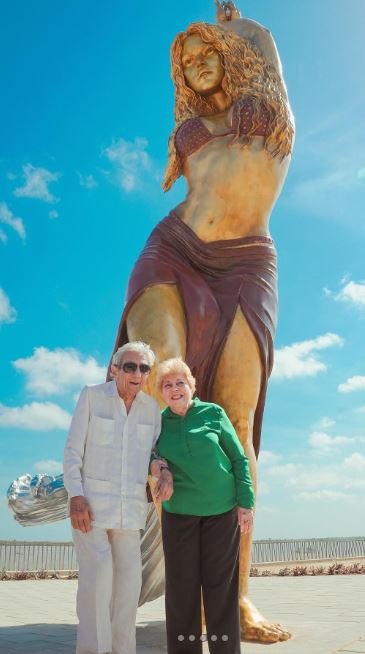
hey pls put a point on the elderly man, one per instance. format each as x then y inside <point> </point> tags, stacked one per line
<point>107,453</point>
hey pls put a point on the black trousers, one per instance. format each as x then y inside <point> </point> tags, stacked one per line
<point>202,555</point>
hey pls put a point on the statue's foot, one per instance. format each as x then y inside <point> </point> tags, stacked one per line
<point>255,627</point>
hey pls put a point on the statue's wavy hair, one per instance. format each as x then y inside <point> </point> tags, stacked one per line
<point>246,73</point>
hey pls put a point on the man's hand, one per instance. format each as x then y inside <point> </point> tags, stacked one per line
<point>245,520</point>
<point>165,486</point>
<point>81,514</point>
<point>155,467</point>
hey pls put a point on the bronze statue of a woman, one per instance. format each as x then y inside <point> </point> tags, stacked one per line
<point>205,285</point>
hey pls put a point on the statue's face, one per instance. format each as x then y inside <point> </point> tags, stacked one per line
<point>202,66</point>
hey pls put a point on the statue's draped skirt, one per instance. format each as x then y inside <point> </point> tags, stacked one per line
<point>213,279</point>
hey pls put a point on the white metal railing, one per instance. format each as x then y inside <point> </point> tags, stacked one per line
<point>41,555</point>
<point>23,555</point>
<point>269,551</point>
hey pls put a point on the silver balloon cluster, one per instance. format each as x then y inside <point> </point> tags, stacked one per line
<point>43,499</point>
<point>38,500</point>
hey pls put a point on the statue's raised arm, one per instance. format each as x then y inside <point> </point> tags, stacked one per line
<point>258,35</point>
<point>230,17</point>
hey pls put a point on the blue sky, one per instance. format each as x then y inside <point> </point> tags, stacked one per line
<point>87,108</point>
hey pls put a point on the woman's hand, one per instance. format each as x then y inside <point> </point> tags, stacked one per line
<point>165,486</point>
<point>81,514</point>
<point>156,465</point>
<point>245,520</point>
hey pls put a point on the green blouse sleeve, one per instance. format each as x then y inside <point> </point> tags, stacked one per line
<point>231,445</point>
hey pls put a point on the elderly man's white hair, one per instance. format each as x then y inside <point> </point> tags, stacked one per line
<point>134,346</point>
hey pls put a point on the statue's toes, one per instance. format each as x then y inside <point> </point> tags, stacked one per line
<point>284,634</point>
<point>265,633</point>
<point>259,635</point>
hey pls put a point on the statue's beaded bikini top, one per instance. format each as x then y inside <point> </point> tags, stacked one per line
<point>193,133</point>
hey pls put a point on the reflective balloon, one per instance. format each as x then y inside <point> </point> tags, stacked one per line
<point>38,500</point>
<point>43,499</point>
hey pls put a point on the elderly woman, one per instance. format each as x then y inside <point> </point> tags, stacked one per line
<point>211,504</point>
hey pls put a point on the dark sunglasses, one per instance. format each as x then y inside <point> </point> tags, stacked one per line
<point>130,366</point>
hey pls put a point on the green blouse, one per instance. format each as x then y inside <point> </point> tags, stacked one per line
<point>211,472</point>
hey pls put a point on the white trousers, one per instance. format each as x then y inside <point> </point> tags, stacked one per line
<point>110,578</point>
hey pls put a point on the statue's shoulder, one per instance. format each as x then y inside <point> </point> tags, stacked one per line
<point>246,27</point>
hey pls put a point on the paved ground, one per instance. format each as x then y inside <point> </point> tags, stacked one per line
<point>325,614</point>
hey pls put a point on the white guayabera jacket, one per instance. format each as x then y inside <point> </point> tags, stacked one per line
<point>107,455</point>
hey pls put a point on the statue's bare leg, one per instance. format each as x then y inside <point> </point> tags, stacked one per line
<point>236,388</point>
<point>157,318</point>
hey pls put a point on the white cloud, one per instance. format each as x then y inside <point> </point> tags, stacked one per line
<point>7,312</point>
<point>50,467</point>
<point>132,163</point>
<point>268,457</point>
<point>87,181</point>
<point>352,293</point>
<point>8,218</point>
<point>282,470</point>
<point>53,372</point>
<point>3,236</point>
<point>322,441</point>
<point>332,496</point>
<point>325,423</point>
<point>360,409</point>
<point>36,183</point>
<point>355,462</point>
<point>356,383</point>
<point>300,359</point>
<point>37,416</point>
<point>355,484</point>
<point>348,475</point>
<point>53,214</point>
<point>345,278</point>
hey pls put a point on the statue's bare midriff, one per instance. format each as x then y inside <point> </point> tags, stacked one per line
<point>231,188</point>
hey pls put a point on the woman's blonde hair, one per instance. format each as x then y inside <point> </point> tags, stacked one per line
<point>175,366</point>
<point>247,73</point>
